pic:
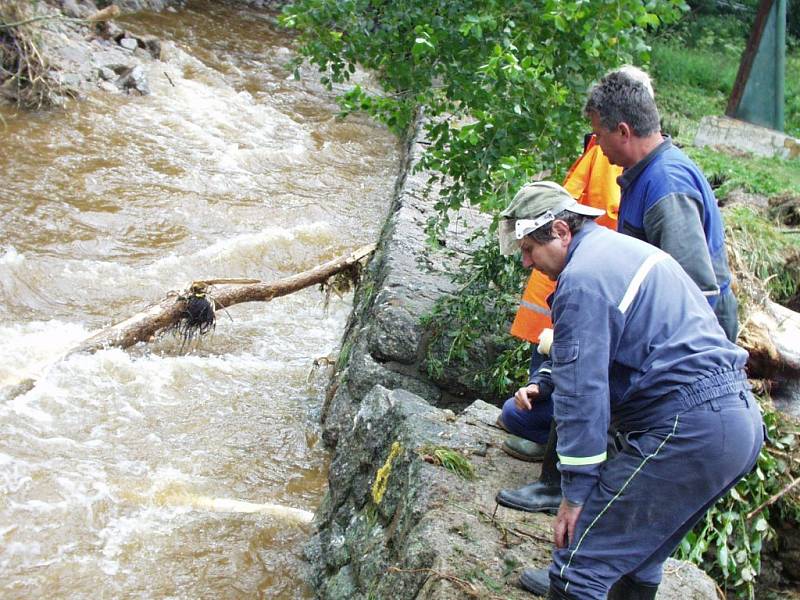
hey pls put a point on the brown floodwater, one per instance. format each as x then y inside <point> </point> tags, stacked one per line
<point>142,473</point>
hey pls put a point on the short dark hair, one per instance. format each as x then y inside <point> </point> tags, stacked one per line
<point>619,98</point>
<point>545,233</point>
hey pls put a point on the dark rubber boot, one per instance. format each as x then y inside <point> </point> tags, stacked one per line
<point>536,581</point>
<point>543,495</point>
<point>550,473</point>
<point>628,589</point>
<point>534,497</point>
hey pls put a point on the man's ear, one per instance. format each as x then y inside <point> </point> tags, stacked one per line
<point>625,131</point>
<point>561,230</point>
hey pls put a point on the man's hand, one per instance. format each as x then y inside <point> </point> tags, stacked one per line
<point>524,396</point>
<point>565,523</point>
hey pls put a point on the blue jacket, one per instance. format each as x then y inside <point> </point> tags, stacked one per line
<point>635,342</point>
<point>667,202</point>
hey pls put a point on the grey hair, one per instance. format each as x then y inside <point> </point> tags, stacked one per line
<point>545,233</point>
<point>625,96</point>
<point>638,74</point>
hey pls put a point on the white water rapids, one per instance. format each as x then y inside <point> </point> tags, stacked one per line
<point>144,473</point>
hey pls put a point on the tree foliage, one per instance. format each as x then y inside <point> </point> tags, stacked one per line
<point>502,81</point>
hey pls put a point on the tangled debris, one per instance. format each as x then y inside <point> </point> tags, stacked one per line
<point>25,75</point>
<point>27,78</point>
<point>197,317</point>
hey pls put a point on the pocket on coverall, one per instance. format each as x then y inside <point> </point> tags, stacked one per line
<point>564,356</point>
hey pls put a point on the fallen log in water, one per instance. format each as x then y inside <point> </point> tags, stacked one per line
<point>157,318</point>
<point>168,313</point>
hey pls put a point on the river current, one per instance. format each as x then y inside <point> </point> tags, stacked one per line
<point>138,474</point>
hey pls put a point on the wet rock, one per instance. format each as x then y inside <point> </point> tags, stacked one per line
<point>108,87</point>
<point>133,80</point>
<point>152,45</point>
<point>106,74</point>
<point>429,532</point>
<point>129,43</point>
<point>108,30</point>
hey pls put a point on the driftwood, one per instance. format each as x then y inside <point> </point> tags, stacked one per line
<point>157,318</point>
<point>771,334</point>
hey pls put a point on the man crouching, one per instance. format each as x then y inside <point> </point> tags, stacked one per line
<point>636,346</point>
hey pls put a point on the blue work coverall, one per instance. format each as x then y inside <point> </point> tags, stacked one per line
<point>637,346</point>
<point>667,202</point>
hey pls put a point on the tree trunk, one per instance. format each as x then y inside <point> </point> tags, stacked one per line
<point>158,317</point>
<point>771,333</point>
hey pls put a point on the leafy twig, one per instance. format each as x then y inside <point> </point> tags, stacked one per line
<point>774,498</point>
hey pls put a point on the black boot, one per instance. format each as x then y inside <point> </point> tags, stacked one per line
<point>550,474</point>
<point>543,495</point>
<point>534,497</point>
<point>628,589</point>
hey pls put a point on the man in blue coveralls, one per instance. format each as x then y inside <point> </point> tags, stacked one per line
<point>666,201</point>
<point>636,345</point>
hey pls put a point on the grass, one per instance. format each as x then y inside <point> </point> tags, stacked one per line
<point>450,459</point>
<point>756,175</point>
<point>694,65</point>
<point>766,252</point>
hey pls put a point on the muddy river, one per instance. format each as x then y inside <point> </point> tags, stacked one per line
<point>140,473</point>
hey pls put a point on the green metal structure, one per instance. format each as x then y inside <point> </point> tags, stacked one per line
<point>758,93</point>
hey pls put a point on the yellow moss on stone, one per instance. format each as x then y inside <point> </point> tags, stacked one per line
<point>382,476</point>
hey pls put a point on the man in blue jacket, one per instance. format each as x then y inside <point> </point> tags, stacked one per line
<point>636,345</point>
<point>666,200</point>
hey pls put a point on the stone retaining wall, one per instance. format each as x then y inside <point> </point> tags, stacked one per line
<point>385,343</point>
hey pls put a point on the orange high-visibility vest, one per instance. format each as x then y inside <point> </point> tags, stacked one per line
<point>591,180</point>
